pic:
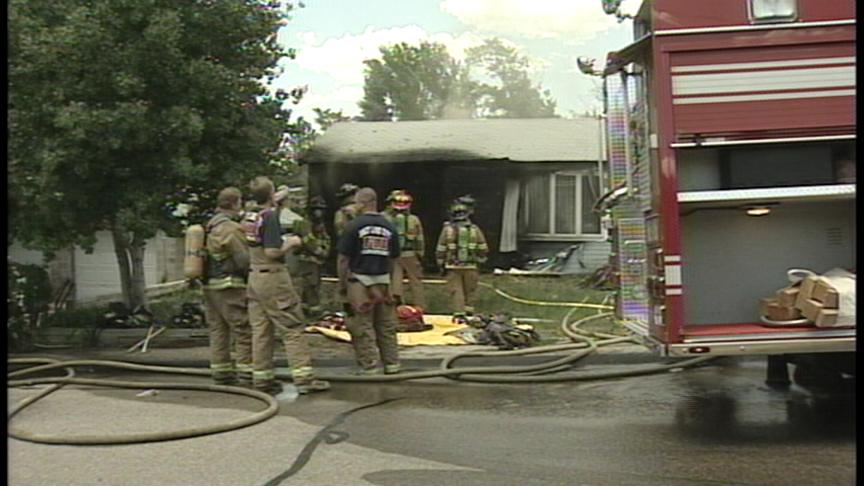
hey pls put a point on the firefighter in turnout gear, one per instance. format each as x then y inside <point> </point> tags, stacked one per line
<point>411,243</point>
<point>460,250</point>
<point>274,306</point>
<point>305,263</point>
<point>227,265</point>
<point>367,250</point>
<point>348,209</point>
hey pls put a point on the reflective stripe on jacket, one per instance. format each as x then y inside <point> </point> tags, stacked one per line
<point>461,245</point>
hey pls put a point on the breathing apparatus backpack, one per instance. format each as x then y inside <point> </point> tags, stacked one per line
<point>194,252</point>
<point>251,226</point>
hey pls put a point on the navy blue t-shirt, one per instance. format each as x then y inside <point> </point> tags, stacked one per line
<point>369,241</point>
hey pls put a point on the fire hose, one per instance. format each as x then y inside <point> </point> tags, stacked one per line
<point>547,372</point>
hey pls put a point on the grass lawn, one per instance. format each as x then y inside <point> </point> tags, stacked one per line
<point>535,288</point>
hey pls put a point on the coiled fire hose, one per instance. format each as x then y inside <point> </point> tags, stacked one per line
<point>556,370</point>
<point>70,378</point>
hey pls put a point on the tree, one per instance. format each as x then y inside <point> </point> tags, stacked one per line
<point>121,110</point>
<point>513,95</point>
<point>425,83</point>
<point>325,118</point>
<point>416,83</point>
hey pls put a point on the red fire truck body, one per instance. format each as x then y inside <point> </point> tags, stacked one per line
<point>718,110</point>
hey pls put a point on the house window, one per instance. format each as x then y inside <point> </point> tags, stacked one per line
<point>560,206</point>
<point>773,10</point>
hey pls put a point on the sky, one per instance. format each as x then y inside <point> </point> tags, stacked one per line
<point>333,37</point>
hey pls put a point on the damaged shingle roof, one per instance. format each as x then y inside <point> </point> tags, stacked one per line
<point>518,140</point>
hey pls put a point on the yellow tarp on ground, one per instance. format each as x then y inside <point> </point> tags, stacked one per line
<point>441,324</point>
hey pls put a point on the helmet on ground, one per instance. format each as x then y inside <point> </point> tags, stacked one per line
<point>409,312</point>
<point>346,190</point>
<point>400,200</point>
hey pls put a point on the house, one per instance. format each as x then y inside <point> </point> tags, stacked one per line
<point>96,276</point>
<point>535,180</point>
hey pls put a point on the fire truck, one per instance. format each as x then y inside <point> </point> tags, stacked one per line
<point>730,130</point>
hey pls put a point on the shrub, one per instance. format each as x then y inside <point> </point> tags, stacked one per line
<point>28,293</point>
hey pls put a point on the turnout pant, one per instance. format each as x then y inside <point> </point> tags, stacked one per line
<point>274,311</point>
<point>409,266</point>
<point>226,314</point>
<point>462,283</point>
<point>372,325</point>
<point>308,279</point>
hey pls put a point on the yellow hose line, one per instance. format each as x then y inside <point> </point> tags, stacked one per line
<point>545,303</point>
<point>510,297</point>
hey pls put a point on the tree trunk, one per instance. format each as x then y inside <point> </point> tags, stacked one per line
<point>130,261</point>
<point>136,256</point>
<point>121,251</point>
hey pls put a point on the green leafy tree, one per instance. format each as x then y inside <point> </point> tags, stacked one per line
<point>512,93</point>
<point>416,83</point>
<point>122,111</point>
<point>326,117</point>
<point>425,83</point>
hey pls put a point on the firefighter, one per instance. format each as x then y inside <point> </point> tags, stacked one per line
<point>412,247</point>
<point>347,210</point>
<point>310,256</point>
<point>460,250</point>
<point>227,265</point>
<point>274,306</point>
<point>367,250</point>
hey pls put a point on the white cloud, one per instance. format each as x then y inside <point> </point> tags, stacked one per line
<point>343,98</point>
<point>574,21</point>
<point>340,61</point>
<point>342,57</point>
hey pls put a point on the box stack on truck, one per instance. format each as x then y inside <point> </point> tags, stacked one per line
<point>731,161</point>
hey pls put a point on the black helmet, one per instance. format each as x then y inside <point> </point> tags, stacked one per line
<point>346,190</point>
<point>467,201</point>
<point>459,211</point>
<point>317,202</point>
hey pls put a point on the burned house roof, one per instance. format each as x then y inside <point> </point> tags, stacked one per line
<point>518,140</point>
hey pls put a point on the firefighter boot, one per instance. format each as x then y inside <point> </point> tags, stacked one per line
<point>270,387</point>
<point>392,369</point>
<point>223,374</point>
<point>306,383</point>
<point>244,375</point>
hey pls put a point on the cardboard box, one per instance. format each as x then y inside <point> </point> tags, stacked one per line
<point>827,318</point>
<point>788,296</point>
<point>825,293</point>
<point>805,291</point>
<point>765,304</point>
<point>780,313</point>
<point>811,308</point>
<point>770,307</point>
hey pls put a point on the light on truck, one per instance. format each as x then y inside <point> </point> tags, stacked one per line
<point>758,211</point>
<point>773,10</point>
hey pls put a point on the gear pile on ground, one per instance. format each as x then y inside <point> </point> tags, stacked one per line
<point>119,315</point>
<point>499,330</point>
<point>332,320</point>
<point>191,315</point>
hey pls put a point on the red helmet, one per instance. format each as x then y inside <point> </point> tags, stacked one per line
<point>409,313</point>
